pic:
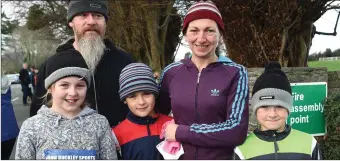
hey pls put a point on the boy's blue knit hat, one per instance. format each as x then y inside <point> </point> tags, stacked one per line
<point>136,77</point>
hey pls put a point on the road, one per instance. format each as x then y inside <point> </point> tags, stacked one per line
<point>21,111</point>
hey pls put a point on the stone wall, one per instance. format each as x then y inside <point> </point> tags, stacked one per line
<point>296,75</point>
<point>333,82</point>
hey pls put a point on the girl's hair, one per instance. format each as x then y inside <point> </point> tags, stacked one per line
<point>47,98</point>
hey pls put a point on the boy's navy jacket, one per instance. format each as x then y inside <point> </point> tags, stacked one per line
<point>139,136</point>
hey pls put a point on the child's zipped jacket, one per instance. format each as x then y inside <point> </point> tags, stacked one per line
<point>139,136</point>
<point>289,144</point>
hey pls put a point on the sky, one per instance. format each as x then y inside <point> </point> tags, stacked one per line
<point>326,24</point>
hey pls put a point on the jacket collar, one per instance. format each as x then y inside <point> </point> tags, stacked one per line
<point>224,59</point>
<point>221,59</point>
<point>272,135</point>
<point>141,120</point>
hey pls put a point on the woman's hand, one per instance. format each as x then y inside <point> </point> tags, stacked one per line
<point>170,132</point>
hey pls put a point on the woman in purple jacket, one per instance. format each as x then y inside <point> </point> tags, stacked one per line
<point>208,94</point>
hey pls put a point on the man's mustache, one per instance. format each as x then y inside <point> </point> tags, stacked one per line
<point>92,29</point>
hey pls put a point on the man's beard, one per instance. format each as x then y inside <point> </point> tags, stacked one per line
<point>92,49</point>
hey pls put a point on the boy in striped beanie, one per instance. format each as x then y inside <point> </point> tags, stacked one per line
<point>138,135</point>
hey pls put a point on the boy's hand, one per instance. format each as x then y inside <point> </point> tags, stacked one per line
<point>170,132</point>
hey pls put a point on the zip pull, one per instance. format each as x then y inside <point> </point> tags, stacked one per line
<point>198,77</point>
<point>276,147</point>
<point>148,127</point>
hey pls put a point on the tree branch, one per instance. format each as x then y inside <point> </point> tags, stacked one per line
<point>331,34</point>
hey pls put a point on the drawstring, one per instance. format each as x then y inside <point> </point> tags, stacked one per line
<point>80,121</point>
<point>57,121</point>
<point>95,93</point>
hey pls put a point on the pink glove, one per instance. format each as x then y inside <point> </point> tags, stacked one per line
<point>170,147</point>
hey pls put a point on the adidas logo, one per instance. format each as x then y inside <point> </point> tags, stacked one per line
<point>215,92</point>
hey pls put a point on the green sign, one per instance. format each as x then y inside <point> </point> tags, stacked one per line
<point>308,106</point>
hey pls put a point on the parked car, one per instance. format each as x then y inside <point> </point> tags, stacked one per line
<point>14,78</point>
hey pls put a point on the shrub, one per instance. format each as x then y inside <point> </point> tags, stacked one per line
<point>331,148</point>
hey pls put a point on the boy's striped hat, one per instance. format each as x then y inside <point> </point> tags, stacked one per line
<point>203,10</point>
<point>136,77</point>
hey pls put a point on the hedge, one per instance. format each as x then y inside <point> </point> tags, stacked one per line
<point>331,143</point>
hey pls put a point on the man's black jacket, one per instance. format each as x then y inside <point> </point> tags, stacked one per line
<point>106,83</point>
<point>24,77</point>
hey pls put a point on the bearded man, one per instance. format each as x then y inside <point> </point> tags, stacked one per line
<point>88,20</point>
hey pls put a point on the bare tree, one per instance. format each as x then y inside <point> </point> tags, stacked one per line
<point>10,62</point>
<point>148,30</point>
<point>39,14</point>
<point>259,31</point>
<point>35,46</point>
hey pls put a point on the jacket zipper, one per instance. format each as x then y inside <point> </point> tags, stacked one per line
<point>276,147</point>
<point>148,127</point>
<point>196,110</point>
<point>198,79</point>
<point>94,83</point>
<point>95,92</point>
<point>196,95</point>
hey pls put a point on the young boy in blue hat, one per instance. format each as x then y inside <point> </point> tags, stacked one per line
<point>138,134</point>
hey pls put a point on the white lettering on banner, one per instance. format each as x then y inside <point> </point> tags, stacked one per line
<point>299,120</point>
<point>51,157</point>
<point>307,108</point>
<point>307,111</point>
<point>297,97</point>
<point>70,157</point>
<point>87,158</point>
<point>63,154</point>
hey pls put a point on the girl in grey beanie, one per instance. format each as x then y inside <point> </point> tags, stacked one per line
<point>68,128</point>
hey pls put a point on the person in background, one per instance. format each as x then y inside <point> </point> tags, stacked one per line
<point>9,125</point>
<point>274,139</point>
<point>138,135</point>
<point>88,20</point>
<point>36,71</point>
<point>66,128</point>
<point>31,75</point>
<point>207,92</point>
<point>25,84</point>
